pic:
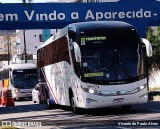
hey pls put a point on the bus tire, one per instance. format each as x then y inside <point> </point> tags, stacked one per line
<point>49,104</point>
<point>39,100</point>
<point>127,108</point>
<point>74,107</point>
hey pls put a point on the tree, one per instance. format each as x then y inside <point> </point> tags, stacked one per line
<point>153,35</point>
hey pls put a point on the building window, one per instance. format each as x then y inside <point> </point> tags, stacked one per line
<point>40,38</point>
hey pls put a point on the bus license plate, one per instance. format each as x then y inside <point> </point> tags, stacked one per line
<point>118,100</point>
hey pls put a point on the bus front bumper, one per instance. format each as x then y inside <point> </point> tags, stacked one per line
<point>22,95</point>
<point>97,101</point>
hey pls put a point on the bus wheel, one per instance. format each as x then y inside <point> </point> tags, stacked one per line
<point>39,100</point>
<point>49,104</point>
<point>127,108</point>
<point>75,109</point>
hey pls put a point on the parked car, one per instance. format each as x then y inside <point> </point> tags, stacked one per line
<point>39,93</point>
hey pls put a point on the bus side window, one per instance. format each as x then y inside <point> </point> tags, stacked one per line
<point>66,50</point>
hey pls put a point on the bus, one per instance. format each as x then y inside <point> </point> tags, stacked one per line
<point>22,78</point>
<point>95,64</point>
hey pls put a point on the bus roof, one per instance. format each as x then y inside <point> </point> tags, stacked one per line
<point>89,25</point>
<point>23,66</point>
<point>51,39</point>
<point>100,25</point>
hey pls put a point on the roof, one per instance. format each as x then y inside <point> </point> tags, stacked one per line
<point>89,25</point>
<point>23,66</point>
<point>100,25</point>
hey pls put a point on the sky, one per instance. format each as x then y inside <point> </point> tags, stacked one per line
<point>20,1</point>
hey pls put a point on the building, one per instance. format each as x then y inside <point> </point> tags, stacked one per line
<point>2,43</point>
<point>29,44</point>
<point>7,46</point>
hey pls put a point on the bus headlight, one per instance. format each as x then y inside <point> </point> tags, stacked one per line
<point>16,90</point>
<point>141,87</point>
<point>91,91</point>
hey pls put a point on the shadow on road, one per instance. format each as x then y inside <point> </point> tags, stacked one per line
<point>62,116</point>
<point>22,108</point>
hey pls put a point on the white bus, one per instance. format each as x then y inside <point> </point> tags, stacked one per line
<point>22,78</point>
<point>95,64</point>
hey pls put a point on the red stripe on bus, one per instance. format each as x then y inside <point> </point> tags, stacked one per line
<point>49,86</point>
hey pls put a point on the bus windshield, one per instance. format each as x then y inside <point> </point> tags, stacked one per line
<point>111,60</point>
<point>24,79</point>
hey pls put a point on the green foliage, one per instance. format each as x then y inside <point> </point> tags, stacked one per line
<point>154,37</point>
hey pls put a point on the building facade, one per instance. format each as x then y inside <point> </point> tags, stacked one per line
<point>29,40</point>
<point>8,45</point>
<point>33,39</point>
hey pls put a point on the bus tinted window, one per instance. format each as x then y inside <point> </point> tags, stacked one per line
<point>25,78</point>
<point>110,57</point>
<point>54,52</point>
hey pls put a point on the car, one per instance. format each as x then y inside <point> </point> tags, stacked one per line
<point>39,93</point>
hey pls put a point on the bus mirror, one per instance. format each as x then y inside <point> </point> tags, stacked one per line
<point>11,81</point>
<point>148,47</point>
<point>77,52</point>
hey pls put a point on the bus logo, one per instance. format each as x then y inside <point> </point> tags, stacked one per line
<point>118,93</point>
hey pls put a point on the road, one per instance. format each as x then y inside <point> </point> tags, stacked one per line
<point>62,118</point>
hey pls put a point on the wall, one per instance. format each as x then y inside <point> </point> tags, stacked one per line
<point>32,40</point>
<point>154,79</point>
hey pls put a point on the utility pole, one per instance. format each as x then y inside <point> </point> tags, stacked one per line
<point>9,44</point>
<point>25,53</point>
